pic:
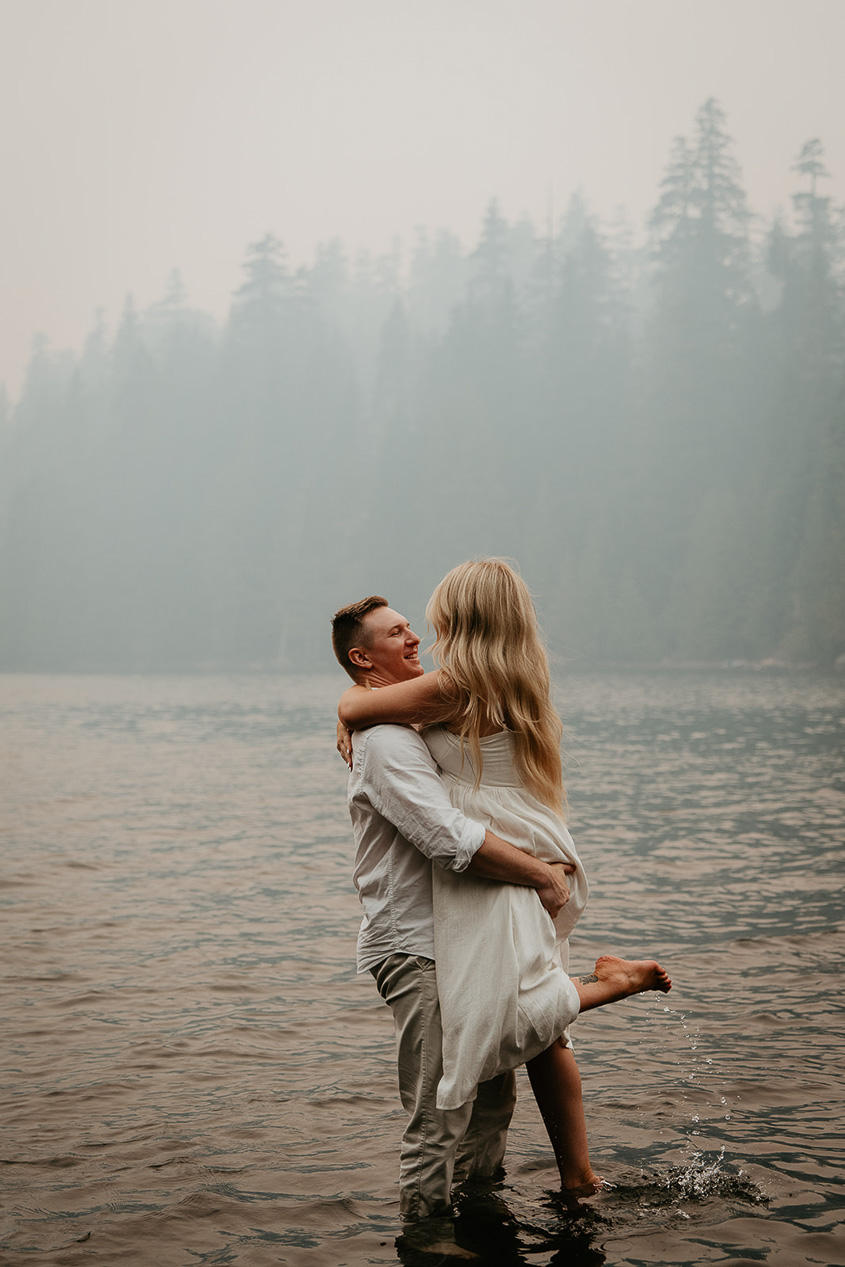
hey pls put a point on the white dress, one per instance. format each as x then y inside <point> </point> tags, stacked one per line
<point>505,993</point>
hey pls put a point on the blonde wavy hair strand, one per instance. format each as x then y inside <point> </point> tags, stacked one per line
<point>494,666</point>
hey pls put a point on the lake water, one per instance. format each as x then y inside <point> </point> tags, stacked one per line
<point>193,1074</point>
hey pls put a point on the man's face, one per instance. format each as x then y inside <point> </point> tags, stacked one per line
<point>392,648</point>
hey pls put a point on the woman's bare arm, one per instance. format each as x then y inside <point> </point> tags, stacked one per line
<point>420,700</point>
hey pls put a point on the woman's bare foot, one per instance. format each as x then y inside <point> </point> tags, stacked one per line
<point>584,1185</point>
<point>632,975</point>
<point>614,979</point>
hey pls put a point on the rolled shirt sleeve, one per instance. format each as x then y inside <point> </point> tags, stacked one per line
<point>403,785</point>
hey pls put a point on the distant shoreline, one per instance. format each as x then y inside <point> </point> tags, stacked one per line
<point>560,668</point>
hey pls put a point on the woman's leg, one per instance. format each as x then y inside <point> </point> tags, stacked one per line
<point>556,1084</point>
<point>554,1075</point>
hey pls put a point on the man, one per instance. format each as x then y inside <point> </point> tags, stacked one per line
<point>403,821</point>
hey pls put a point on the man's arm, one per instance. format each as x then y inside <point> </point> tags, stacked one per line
<point>498,860</point>
<point>403,785</point>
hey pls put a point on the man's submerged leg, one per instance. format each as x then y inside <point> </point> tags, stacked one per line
<point>408,984</point>
<point>482,1149</point>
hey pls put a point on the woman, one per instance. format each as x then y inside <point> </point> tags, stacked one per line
<point>505,995</point>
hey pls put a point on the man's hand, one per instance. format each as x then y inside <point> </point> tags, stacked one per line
<point>554,893</point>
<point>344,743</point>
<point>498,860</point>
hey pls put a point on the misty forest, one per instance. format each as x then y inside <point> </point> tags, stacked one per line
<point>652,426</point>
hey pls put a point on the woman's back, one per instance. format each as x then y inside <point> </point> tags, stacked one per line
<point>499,799</point>
<point>456,760</point>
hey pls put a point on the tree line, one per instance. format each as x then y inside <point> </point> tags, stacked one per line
<point>654,429</point>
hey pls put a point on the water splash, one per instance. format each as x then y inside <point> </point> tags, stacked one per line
<point>700,1070</point>
<point>708,1176</point>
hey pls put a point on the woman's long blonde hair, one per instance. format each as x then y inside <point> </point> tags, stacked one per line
<point>493,663</point>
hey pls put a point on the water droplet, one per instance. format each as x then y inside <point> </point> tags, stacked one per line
<point>727,1117</point>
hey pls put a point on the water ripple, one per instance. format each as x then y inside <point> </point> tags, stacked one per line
<point>195,1074</point>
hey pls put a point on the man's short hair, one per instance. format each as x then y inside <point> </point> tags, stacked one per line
<point>348,629</point>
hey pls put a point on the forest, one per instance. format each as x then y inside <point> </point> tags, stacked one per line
<point>652,425</point>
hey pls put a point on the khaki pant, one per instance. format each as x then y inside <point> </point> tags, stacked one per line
<point>438,1145</point>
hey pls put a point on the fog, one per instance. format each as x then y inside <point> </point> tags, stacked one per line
<point>563,283</point>
<point>138,138</point>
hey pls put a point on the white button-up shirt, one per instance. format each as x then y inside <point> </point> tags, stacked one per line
<point>402,820</point>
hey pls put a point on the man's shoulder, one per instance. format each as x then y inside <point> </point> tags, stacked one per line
<point>387,738</point>
<point>388,751</point>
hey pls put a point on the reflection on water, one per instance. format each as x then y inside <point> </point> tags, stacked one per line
<point>194,1074</point>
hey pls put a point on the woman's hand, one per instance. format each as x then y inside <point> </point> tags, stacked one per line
<point>344,743</point>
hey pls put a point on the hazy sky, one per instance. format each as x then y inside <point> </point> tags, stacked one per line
<point>143,135</point>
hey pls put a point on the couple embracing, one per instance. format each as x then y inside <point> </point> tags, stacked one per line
<point>461,768</point>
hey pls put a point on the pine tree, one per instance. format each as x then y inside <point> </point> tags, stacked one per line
<point>697,420</point>
<point>808,426</point>
<point>700,235</point>
<point>490,288</point>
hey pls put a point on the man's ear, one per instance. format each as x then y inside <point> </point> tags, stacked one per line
<point>359,658</point>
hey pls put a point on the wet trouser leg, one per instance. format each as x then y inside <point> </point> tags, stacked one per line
<point>482,1149</point>
<point>434,1137</point>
